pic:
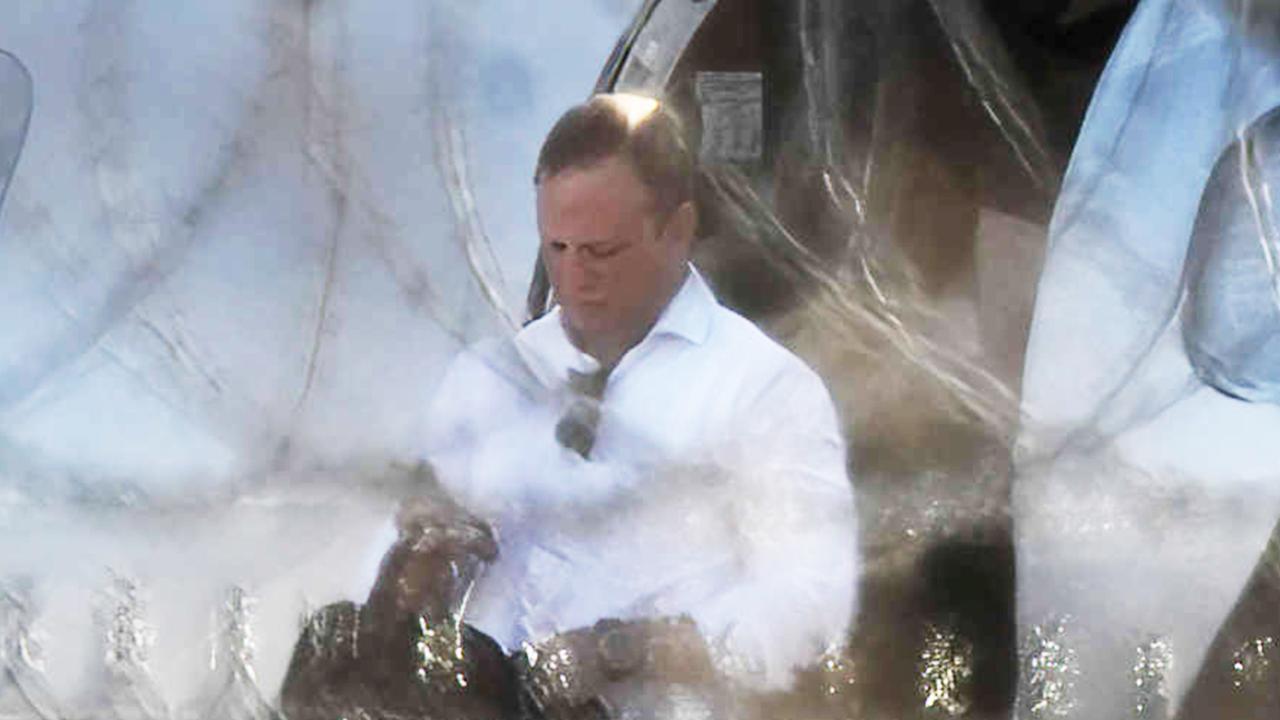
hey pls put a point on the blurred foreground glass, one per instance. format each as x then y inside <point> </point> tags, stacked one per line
<point>15,115</point>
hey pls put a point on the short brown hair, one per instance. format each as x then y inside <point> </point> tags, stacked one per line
<point>602,128</point>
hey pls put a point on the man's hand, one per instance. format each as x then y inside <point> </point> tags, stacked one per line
<point>434,523</point>
<point>440,551</point>
<point>626,668</point>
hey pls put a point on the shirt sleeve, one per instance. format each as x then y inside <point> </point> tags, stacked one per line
<point>490,436</point>
<point>451,425</point>
<point>484,436</point>
<point>794,594</point>
<point>447,425</point>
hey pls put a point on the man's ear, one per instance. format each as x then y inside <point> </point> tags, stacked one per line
<point>683,225</point>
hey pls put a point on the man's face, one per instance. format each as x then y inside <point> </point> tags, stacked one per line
<point>611,258</point>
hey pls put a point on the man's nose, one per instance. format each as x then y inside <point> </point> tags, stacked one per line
<point>577,272</point>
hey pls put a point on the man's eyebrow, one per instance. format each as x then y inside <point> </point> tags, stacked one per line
<point>586,241</point>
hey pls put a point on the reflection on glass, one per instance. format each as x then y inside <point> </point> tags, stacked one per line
<point>15,115</point>
<point>234,275</point>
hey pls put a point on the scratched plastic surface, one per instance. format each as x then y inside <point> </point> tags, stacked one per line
<point>1146,488</point>
<point>240,243</point>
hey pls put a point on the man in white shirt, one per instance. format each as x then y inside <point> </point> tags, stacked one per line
<point>641,451</point>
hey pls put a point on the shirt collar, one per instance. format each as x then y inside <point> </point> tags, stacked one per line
<point>546,347</point>
<point>688,314</point>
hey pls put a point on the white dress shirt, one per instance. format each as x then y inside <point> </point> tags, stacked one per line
<point>716,487</point>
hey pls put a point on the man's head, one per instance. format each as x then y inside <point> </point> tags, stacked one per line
<point>615,213</point>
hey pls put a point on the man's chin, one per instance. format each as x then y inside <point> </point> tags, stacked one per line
<point>589,332</point>
<point>588,323</point>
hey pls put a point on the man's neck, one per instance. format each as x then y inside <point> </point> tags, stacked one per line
<point>607,350</point>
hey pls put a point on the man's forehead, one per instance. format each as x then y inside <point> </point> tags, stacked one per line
<point>586,228</point>
<point>613,177</point>
<point>591,203</point>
